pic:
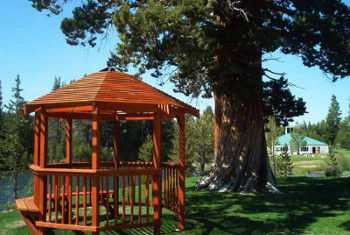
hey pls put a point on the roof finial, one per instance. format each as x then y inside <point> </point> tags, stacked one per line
<point>109,69</point>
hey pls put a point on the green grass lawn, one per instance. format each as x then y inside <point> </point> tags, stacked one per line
<point>308,206</point>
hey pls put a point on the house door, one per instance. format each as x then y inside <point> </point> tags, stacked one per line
<point>313,149</point>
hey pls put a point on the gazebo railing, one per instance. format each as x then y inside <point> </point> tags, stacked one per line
<point>125,198</point>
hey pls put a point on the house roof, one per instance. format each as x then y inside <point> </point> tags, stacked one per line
<point>286,139</point>
<point>108,87</point>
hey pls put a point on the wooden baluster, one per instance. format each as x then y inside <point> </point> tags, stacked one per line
<point>147,198</point>
<point>63,200</point>
<point>164,187</point>
<point>116,206</point>
<point>177,189</point>
<point>90,190</point>
<point>123,194</point>
<point>132,198</point>
<point>107,200</point>
<point>168,188</point>
<point>128,190</point>
<point>57,195</point>
<point>69,192</point>
<point>84,199</point>
<point>173,189</point>
<point>101,193</point>
<point>140,201</point>
<point>50,196</point>
<point>77,200</point>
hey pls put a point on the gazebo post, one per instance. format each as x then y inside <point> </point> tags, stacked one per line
<point>36,155</point>
<point>69,161</point>
<point>43,164</point>
<point>156,186</point>
<point>95,165</point>
<point>116,142</point>
<point>182,169</point>
<point>69,132</point>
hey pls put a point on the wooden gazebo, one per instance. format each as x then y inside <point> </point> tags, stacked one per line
<point>104,195</point>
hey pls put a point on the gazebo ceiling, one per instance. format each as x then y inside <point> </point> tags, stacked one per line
<point>114,92</point>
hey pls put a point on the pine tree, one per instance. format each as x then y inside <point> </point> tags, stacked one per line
<point>146,150</point>
<point>332,121</point>
<point>297,141</point>
<point>18,136</point>
<point>204,139</point>
<point>332,169</point>
<point>272,133</point>
<point>285,164</point>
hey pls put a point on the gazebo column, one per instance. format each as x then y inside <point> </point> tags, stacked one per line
<point>69,131</point>
<point>95,165</point>
<point>156,186</point>
<point>69,161</point>
<point>43,163</point>
<point>37,155</point>
<point>182,170</point>
<point>116,142</point>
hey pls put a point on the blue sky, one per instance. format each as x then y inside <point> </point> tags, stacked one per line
<point>32,45</point>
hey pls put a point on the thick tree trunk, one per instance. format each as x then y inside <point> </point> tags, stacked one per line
<point>240,147</point>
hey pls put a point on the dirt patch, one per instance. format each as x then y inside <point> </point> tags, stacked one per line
<point>16,224</point>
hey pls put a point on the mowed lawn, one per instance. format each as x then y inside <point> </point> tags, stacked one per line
<point>308,206</point>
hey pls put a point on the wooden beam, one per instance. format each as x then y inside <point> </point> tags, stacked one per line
<point>69,136</point>
<point>157,158</point>
<point>43,139</point>
<point>37,155</point>
<point>116,142</point>
<point>95,165</point>
<point>182,169</point>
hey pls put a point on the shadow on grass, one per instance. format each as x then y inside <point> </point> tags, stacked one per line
<point>303,203</point>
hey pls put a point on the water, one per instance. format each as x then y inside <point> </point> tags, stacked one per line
<point>25,186</point>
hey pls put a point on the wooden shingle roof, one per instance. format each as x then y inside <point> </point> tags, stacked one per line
<point>108,87</point>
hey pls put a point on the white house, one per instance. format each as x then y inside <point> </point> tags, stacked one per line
<point>312,146</point>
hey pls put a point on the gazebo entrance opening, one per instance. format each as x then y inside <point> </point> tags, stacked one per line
<point>104,195</point>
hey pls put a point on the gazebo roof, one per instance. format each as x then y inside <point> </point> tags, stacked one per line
<point>113,91</point>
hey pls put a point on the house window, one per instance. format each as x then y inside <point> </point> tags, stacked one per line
<point>278,149</point>
<point>304,149</point>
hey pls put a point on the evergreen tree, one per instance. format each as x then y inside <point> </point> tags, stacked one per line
<point>56,137</point>
<point>204,139</point>
<point>332,121</point>
<point>272,133</point>
<point>285,164</point>
<point>216,48</point>
<point>332,169</point>
<point>297,141</point>
<point>343,136</point>
<point>18,136</point>
<point>1,112</point>
<point>146,150</point>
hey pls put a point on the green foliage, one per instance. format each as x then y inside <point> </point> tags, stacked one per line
<point>272,132</point>
<point>146,150</point>
<point>297,141</point>
<point>284,163</point>
<point>16,142</point>
<point>343,136</point>
<point>343,162</point>
<point>199,142</point>
<point>332,169</point>
<point>332,121</point>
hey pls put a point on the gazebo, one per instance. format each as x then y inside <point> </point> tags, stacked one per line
<point>104,195</point>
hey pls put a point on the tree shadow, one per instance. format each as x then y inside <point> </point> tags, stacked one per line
<point>303,203</point>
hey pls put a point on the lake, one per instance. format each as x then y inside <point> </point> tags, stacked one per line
<point>25,186</point>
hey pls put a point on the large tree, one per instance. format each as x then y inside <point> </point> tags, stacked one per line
<point>217,47</point>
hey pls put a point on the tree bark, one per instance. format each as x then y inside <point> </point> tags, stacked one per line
<point>240,147</point>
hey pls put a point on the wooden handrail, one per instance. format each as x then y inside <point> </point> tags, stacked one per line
<point>88,172</point>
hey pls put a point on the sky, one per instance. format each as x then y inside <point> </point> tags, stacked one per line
<point>33,46</point>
